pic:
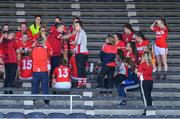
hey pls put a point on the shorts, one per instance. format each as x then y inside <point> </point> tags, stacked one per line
<point>160,51</point>
<point>63,85</point>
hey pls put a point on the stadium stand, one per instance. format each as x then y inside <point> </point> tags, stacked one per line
<point>100,18</point>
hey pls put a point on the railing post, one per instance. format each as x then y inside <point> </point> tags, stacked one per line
<point>70,104</point>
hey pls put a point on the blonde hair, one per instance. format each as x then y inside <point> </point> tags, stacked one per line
<point>147,57</point>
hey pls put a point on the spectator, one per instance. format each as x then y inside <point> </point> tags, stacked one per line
<point>81,56</point>
<point>53,27</point>
<point>35,27</point>
<point>23,29</point>
<point>2,70</point>
<point>7,42</point>
<point>128,35</point>
<point>119,41</point>
<point>40,55</point>
<point>146,81</point>
<point>107,56</point>
<point>141,44</point>
<point>161,47</point>
<point>131,52</point>
<point>61,76</point>
<point>25,66</point>
<point>126,83</point>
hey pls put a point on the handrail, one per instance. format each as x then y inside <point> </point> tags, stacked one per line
<point>43,95</point>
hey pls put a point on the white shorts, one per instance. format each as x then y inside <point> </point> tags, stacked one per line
<point>63,85</point>
<point>29,78</point>
<point>160,51</point>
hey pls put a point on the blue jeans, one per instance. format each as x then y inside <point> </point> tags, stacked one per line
<point>131,82</point>
<point>43,78</point>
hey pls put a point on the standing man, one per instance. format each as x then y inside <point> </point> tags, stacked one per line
<point>81,52</point>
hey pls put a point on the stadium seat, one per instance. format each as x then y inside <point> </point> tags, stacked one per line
<point>15,115</point>
<point>77,115</point>
<point>36,115</point>
<point>56,115</point>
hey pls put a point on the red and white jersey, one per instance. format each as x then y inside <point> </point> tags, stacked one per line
<point>26,45</point>
<point>62,74</point>
<point>120,45</point>
<point>73,67</point>
<point>161,36</point>
<point>25,68</point>
<point>128,37</point>
<point>141,47</point>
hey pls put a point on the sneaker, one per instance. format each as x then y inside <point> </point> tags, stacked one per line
<point>123,102</point>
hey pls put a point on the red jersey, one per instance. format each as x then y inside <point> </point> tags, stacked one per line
<point>161,36</point>
<point>9,51</point>
<point>146,70</point>
<point>25,68</point>
<point>128,37</point>
<point>19,44</point>
<point>132,56</point>
<point>62,74</point>
<point>141,47</point>
<point>1,53</point>
<point>74,72</point>
<point>19,34</point>
<point>55,42</point>
<point>53,29</point>
<point>120,45</point>
<point>40,57</point>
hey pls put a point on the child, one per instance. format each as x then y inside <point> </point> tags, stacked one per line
<point>144,72</point>
<point>61,76</point>
<point>107,56</point>
<point>25,66</point>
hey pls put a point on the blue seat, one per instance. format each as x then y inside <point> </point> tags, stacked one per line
<point>77,115</point>
<point>57,115</point>
<point>36,115</point>
<point>15,115</point>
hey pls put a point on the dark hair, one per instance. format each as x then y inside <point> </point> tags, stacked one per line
<point>57,25</point>
<point>26,53</point>
<point>134,50</point>
<point>120,54</point>
<point>131,63</point>
<point>4,25</point>
<point>23,23</point>
<point>140,34</point>
<point>76,17</point>
<point>62,61</point>
<point>80,23</point>
<point>120,37</point>
<point>35,18</point>
<point>40,40</point>
<point>111,38</point>
<point>58,18</point>
<point>128,26</point>
<point>165,23</point>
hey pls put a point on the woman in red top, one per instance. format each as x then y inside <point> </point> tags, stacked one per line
<point>144,73</point>
<point>128,35</point>
<point>131,52</point>
<point>119,41</point>
<point>160,48</point>
<point>141,44</point>
<point>7,42</point>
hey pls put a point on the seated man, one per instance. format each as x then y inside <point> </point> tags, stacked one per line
<point>61,76</point>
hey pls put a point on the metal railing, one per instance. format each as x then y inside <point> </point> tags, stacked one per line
<point>30,96</point>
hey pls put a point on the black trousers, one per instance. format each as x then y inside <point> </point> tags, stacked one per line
<point>146,89</point>
<point>109,71</point>
<point>54,63</point>
<point>81,61</point>
<point>10,70</point>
